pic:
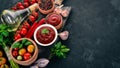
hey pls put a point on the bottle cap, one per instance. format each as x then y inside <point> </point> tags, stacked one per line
<point>33,7</point>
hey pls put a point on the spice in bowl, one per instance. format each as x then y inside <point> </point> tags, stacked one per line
<point>46,6</point>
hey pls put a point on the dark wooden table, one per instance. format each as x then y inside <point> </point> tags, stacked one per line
<point>94,40</point>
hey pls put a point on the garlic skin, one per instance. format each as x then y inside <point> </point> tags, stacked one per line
<point>42,62</point>
<point>58,10</point>
<point>64,35</point>
<point>64,13</point>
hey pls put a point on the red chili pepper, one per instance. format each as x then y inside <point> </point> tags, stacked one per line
<point>42,21</point>
<point>31,31</point>
<point>34,26</point>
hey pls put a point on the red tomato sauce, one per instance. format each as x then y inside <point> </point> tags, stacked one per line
<point>45,38</point>
<point>54,19</point>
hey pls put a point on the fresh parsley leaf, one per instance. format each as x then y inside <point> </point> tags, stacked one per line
<point>3,26</point>
<point>5,33</point>
<point>1,38</point>
<point>45,31</point>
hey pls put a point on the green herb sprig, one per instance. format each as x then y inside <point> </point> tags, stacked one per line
<point>59,50</point>
<point>6,36</point>
<point>45,31</point>
<point>21,44</point>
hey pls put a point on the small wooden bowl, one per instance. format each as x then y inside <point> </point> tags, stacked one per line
<point>46,11</point>
<point>31,60</point>
<point>61,22</point>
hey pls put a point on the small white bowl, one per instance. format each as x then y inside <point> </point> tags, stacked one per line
<point>48,25</point>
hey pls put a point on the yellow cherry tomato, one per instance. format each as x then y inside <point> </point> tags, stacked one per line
<point>4,66</point>
<point>1,53</point>
<point>2,60</point>
<point>30,48</point>
<point>22,51</point>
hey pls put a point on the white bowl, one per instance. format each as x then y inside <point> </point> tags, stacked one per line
<point>48,25</point>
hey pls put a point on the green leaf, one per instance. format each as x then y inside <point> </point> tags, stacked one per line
<point>63,46</point>
<point>65,50</point>
<point>28,43</point>
<point>5,33</point>
<point>58,45</point>
<point>1,38</point>
<point>24,41</point>
<point>20,46</point>
<point>45,31</point>
<point>16,45</point>
<point>3,26</point>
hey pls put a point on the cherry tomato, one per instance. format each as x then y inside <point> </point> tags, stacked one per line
<point>21,7</point>
<point>22,51</point>
<point>32,1</point>
<point>35,14</point>
<point>26,1</point>
<point>27,56</point>
<point>26,4</point>
<point>17,36</point>
<point>30,48</point>
<point>36,1</point>
<point>32,18</point>
<point>14,8</point>
<point>19,4</point>
<point>15,53</point>
<point>26,24</point>
<point>16,49</point>
<point>19,57</point>
<point>2,60</point>
<point>23,31</point>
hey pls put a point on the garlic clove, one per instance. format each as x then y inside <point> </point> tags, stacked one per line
<point>43,62</point>
<point>34,66</point>
<point>64,35</point>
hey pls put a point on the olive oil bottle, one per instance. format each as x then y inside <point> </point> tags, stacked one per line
<point>15,18</point>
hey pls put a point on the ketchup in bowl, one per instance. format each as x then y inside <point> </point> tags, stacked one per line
<point>45,35</point>
<point>54,19</point>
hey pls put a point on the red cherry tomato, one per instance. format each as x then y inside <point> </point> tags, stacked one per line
<point>15,53</point>
<point>27,56</point>
<point>32,1</point>
<point>19,4</point>
<point>26,24</point>
<point>32,18</point>
<point>36,1</point>
<point>23,31</point>
<point>14,8</point>
<point>21,7</point>
<point>17,36</point>
<point>26,4</point>
<point>26,1</point>
<point>35,14</point>
<point>16,49</point>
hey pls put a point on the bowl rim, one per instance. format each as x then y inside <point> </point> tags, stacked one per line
<point>49,25</point>
<point>32,59</point>
<point>49,10</point>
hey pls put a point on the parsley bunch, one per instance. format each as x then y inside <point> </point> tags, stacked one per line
<point>6,36</point>
<point>59,50</point>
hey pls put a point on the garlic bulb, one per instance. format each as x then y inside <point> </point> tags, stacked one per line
<point>43,62</point>
<point>64,35</point>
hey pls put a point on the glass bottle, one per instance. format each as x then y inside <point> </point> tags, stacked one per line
<point>14,18</point>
